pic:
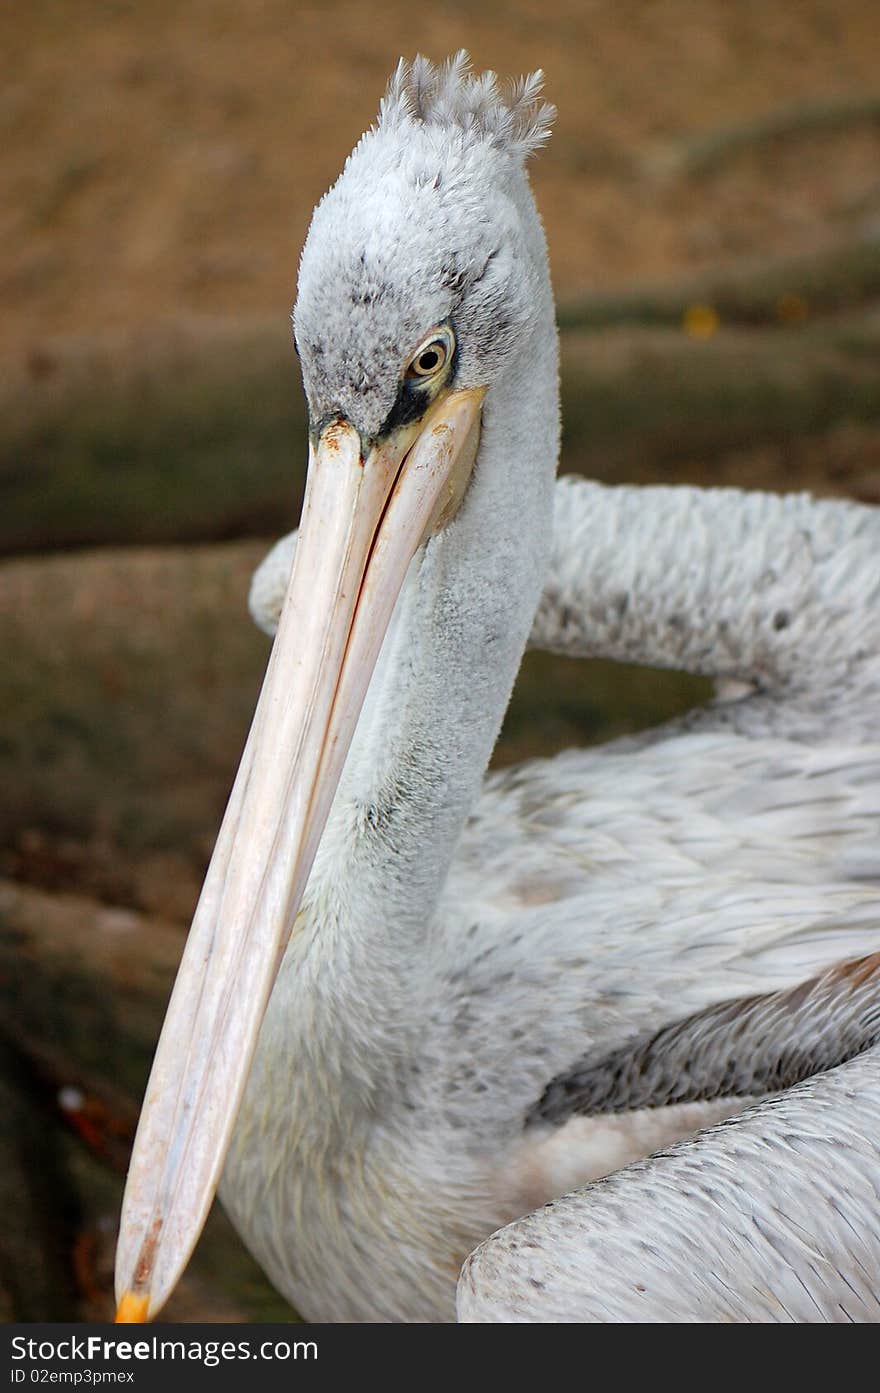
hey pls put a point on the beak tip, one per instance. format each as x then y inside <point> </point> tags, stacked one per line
<point>133,1308</point>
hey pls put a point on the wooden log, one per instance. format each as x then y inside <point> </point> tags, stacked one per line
<point>648,402</point>
<point>710,151</point>
<point>776,293</point>
<point>183,431</point>
<point>38,1203</point>
<point>83,988</point>
<point>197,431</point>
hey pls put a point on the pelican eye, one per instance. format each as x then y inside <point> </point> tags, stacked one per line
<point>431,358</point>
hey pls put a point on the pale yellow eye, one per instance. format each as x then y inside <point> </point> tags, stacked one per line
<point>431,358</point>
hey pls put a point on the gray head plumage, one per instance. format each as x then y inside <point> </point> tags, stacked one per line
<point>430,223</point>
<point>449,97</point>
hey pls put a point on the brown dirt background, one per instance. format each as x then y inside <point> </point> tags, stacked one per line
<point>164,159</point>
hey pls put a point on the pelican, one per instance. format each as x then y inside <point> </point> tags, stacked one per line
<point>590,1039</point>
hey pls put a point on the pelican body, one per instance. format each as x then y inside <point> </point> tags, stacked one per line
<point>417,1003</point>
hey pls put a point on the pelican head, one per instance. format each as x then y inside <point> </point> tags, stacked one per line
<point>420,242</point>
<point>423,315</point>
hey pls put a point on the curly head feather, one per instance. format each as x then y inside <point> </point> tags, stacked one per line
<point>450,96</point>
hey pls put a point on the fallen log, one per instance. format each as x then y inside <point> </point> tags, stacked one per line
<point>83,988</point>
<point>776,293</point>
<point>206,440</point>
<point>704,154</point>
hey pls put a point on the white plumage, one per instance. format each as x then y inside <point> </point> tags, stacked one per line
<point>471,1015</point>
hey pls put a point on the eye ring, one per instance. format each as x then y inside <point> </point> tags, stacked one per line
<point>431,357</point>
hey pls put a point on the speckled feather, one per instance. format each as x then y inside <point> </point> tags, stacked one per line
<point>739,1049</point>
<point>771,1217</point>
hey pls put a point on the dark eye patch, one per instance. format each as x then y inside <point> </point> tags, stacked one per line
<point>410,404</point>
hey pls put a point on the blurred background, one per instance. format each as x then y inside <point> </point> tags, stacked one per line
<point>712,200</point>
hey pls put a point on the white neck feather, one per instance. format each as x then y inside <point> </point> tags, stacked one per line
<point>447,668</point>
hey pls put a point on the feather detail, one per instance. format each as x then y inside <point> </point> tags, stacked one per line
<point>451,97</point>
<point>737,1049</point>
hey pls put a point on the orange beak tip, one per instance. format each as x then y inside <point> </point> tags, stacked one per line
<point>132,1308</point>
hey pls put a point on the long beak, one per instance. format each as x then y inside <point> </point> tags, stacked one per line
<point>362,522</point>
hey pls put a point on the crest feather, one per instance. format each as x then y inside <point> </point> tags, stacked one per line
<point>450,96</point>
